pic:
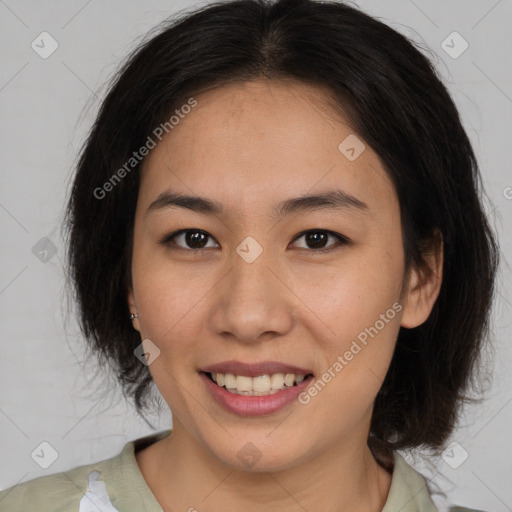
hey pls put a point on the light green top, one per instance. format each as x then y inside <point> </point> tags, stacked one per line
<point>117,485</point>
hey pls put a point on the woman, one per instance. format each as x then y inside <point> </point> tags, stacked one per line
<point>276,219</point>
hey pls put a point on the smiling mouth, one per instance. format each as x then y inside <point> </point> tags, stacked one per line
<point>262,385</point>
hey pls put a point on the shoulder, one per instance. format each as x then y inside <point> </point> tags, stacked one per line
<point>59,492</point>
<point>409,491</point>
<point>111,485</point>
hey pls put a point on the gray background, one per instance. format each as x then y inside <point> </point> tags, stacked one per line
<point>48,391</point>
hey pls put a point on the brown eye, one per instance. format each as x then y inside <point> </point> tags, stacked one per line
<point>193,239</point>
<point>317,240</point>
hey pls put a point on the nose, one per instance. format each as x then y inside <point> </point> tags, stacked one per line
<point>254,301</point>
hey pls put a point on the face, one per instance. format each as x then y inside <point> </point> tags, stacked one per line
<point>313,288</point>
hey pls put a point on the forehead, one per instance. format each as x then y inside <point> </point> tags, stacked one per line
<point>250,142</point>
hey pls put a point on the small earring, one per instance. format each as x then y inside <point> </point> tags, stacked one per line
<point>134,315</point>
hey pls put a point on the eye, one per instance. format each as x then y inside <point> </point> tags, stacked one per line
<point>195,239</point>
<point>316,240</point>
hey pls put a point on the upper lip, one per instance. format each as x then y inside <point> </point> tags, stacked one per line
<point>254,369</point>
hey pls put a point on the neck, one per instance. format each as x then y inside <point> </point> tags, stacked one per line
<point>183,475</point>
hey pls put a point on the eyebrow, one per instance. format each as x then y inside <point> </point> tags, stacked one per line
<point>331,199</point>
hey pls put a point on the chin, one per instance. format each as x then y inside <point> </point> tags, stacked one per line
<point>256,454</point>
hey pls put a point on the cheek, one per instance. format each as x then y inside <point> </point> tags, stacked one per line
<point>352,293</point>
<point>170,310</point>
<point>169,300</point>
<point>357,318</point>
<point>357,352</point>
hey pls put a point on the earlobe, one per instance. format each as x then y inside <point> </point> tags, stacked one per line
<point>133,310</point>
<point>424,287</point>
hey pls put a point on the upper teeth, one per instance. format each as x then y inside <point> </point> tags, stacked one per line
<point>267,384</point>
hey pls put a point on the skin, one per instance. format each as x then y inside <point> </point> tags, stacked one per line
<point>249,146</point>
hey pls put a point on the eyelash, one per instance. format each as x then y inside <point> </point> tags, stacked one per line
<point>167,240</point>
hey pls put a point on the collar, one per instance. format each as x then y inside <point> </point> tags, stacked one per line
<point>408,492</point>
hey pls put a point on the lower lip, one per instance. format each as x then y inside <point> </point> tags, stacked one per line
<point>254,405</point>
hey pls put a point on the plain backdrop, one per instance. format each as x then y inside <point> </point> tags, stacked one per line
<point>48,390</point>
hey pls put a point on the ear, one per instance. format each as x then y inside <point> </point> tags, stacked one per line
<point>424,285</point>
<point>133,309</point>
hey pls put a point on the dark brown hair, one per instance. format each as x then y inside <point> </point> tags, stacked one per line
<point>396,104</point>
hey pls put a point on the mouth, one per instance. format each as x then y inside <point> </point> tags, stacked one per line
<point>259,385</point>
